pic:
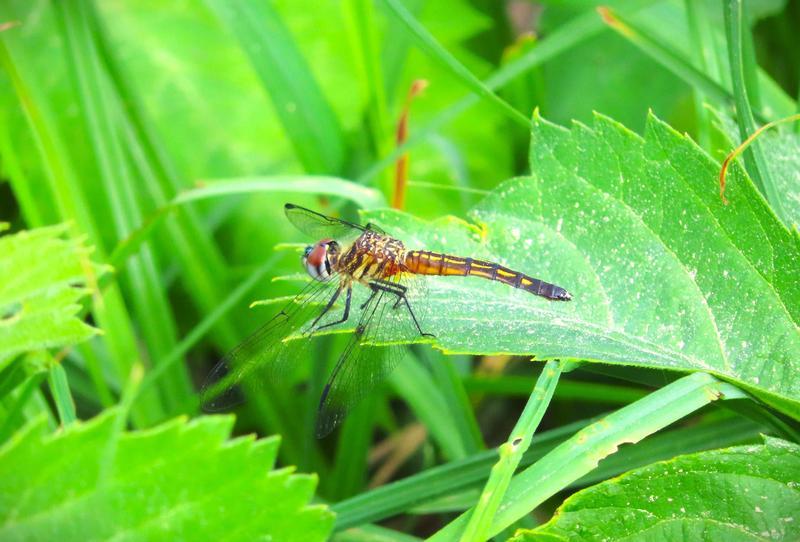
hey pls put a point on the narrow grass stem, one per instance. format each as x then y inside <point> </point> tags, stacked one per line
<point>581,454</point>
<point>754,158</point>
<point>435,51</point>
<point>511,454</point>
<point>62,397</point>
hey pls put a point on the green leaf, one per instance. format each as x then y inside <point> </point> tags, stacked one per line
<point>742,493</point>
<point>45,277</point>
<point>176,481</point>
<point>662,273</point>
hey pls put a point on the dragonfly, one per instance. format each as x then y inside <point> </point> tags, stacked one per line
<point>364,282</point>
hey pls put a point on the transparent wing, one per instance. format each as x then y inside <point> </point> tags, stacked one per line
<point>319,226</point>
<point>371,354</point>
<point>269,354</point>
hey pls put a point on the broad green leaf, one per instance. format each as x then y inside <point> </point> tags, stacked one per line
<point>662,273</point>
<point>742,493</point>
<point>45,276</point>
<point>177,481</point>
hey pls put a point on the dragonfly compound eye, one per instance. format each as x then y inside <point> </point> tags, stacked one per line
<point>316,261</point>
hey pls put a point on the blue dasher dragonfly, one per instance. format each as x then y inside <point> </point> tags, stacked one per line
<point>378,283</point>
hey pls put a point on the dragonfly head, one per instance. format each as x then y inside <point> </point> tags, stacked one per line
<point>320,259</point>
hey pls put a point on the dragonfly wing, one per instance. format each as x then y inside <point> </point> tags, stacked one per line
<point>268,354</point>
<point>372,353</point>
<point>319,226</point>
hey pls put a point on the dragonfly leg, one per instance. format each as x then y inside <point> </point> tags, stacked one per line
<point>371,296</point>
<point>346,314</point>
<point>400,291</point>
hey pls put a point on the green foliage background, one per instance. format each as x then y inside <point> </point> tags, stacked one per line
<point>146,152</point>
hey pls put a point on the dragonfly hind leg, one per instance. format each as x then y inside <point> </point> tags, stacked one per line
<point>333,299</point>
<point>400,292</point>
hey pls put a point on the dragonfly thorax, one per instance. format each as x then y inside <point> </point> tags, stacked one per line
<point>320,259</point>
<point>372,256</point>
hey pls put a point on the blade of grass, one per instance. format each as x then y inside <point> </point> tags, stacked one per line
<point>365,197</point>
<point>699,46</point>
<point>301,106</point>
<point>373,533</point>
<point>403,495</point>
<point>350,466</point>
<point>12,375</point>
<point>459,409</point>
<point>664,55</point>
<point>719,433</point>
<point>203,327</point>
<point>568,390</point>
<point>435,51</point>
<point>511,453</point>
<point>566,36</point>
<point>439,483</point>
<point>580,454</point>
<point>13,415</point>
<point>674,61</point>
<point>62,397</point>
<point>772,422</point>
<point>201,263</point>
<point>100,110</point>
<point>108,306</point>
<point>449,188</point>
<point>396,46</point>
<point>749,63</point>
<point>360,28</point>
<point>92,365</point>
<point>322,360</point>
<point>33,205</point>
<point>754,158</point>
<point>414,384</point>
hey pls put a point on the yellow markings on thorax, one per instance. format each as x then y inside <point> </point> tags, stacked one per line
<point>374,256</point>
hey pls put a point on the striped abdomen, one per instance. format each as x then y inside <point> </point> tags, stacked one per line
<point>433,263</point>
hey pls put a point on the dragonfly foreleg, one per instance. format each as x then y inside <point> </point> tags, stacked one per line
<point>400,292</point>
<point>346,313</point>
